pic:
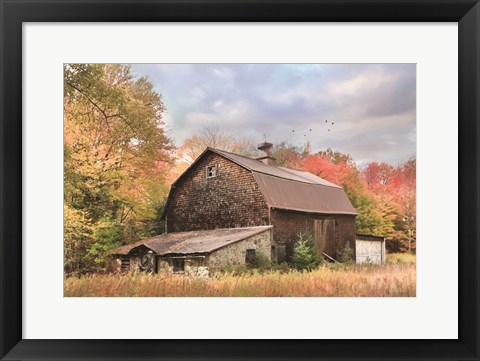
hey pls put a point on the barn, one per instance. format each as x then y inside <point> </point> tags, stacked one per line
<point>226,191</point>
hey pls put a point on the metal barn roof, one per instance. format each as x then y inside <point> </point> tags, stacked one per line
<point>305,197</point>
<point>287,188</point>
<point>294,189</point>
<point>192,242</point>
<point>282,172</point>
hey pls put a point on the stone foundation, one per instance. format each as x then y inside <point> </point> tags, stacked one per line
<point>235,254</point>
<point>193,267</point>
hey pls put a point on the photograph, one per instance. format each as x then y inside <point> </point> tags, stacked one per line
<point>258,160</point>
<point>239,180</point>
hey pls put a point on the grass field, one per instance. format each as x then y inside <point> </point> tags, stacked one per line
<point>401,258</point>
<point>397,278</point>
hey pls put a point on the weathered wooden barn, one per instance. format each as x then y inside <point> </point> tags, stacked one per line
<point>223,191</point>
<point>226,190</point>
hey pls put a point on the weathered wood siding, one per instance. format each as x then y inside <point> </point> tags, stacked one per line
<point>331,231</point>
<point>231,199</point>
<point>324,233</point>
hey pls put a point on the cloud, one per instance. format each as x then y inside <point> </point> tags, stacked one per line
<point>373,106</point>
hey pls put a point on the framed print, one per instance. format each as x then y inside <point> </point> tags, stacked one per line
<point>255,67</point>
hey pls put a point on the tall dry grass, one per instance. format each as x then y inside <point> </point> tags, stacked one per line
<point>390,280</point>
<point>401,258</point>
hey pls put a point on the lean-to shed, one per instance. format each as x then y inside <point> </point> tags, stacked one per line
<point>196,253</point>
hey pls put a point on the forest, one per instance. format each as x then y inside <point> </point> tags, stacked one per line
<point>119,163</point>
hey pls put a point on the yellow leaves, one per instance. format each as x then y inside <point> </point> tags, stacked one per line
<point>113,142</point>
<point>75,220</point>
<point>77,234</point>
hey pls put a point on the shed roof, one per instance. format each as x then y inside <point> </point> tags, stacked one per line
<point>192,242</point>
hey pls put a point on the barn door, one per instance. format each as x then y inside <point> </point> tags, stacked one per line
<point>323,231</point>
<point>369,251</point>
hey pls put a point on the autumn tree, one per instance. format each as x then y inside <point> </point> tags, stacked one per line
<point>339,169</point>
<point>214,137</point>
<point>395,189</point>
<point>337,157</point>
<point>78,237</point>
<point>290,155</point>
<point>211,136</point>
<point>115,151</point>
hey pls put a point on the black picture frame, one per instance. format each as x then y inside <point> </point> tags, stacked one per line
<point>15,12</point>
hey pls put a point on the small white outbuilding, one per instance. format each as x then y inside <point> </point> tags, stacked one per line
<point>370,249</point>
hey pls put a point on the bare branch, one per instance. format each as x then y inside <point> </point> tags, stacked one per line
<point>91,102</point>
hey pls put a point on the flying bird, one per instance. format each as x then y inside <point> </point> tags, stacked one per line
<point>333,123</point>
<point>310,130</point>
<point>329,130</point>
<point>326,120</point>
<point>293,131</point>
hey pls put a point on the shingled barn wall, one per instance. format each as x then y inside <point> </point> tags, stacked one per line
<point>231,199</point>
<point>287,225</point>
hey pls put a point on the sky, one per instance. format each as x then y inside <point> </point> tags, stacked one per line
<point>372,106</point>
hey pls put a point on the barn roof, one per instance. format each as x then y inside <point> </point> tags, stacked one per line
<point>192,242</point>
<point>293,189</point>
<point>281,172</point>
<point>305,197</point>
<point>289,189</point>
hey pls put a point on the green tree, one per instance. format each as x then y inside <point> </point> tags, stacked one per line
<point>345,254</point>
<point>305,255</point>
<point>107,235</point>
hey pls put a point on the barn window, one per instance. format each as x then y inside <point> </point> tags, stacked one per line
<point>211,171</point>
<point>178,265</point>
<point>250,257</point>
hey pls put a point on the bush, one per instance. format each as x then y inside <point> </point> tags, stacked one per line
<point>305,255</point>
<point>283,267</point>
<point>345,254</point>
<point>261,261</point>
<point>234,270</point>
<point>258,265</point>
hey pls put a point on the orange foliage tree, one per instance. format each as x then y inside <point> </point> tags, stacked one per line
<point>372,218</point>
<point>115,155</point>
<point>395,187</point>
